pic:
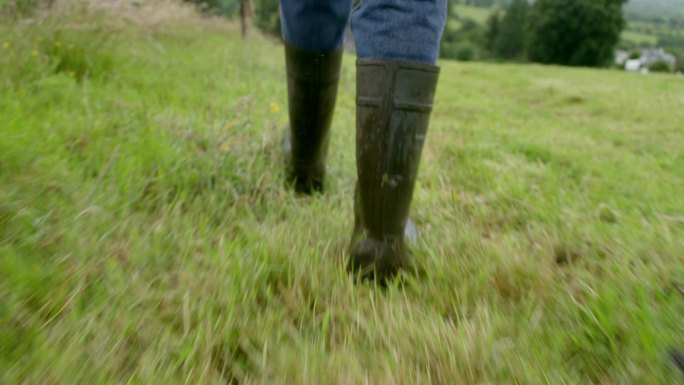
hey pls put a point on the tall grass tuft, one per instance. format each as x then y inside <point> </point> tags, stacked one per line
<point>76,38</point>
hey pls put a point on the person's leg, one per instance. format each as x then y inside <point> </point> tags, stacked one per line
<point>314,25</point>
<point>397,44</point>
<point>313,31</point>
<point>407,30</point>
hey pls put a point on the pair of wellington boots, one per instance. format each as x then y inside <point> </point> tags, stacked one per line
<point>393,105</point>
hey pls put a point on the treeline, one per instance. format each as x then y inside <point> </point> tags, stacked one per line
<point>565,32</point>
<point>502,37</point>
<point>263,13</point>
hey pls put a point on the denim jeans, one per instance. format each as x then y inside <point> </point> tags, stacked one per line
<point>383,29</point>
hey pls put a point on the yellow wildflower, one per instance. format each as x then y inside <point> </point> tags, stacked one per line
<point>5,44</point>
<point>231,124</point>
<point>225,146</point>
<point>275,107</point>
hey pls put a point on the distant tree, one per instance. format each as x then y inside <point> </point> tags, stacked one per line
<point>267,16</point>
<point>463,43</point>
<point>671,41</point>
<point>465,51</point>
<point>660,67</point>
<point>493,29</point>
<point>510,42</point>
<point>448,45</point>
<point>679,67</point>
<point>450,9</point>
<point>575,32</point>
<point>473,32</point>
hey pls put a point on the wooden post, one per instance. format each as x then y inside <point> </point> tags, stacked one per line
<point>244,16</point>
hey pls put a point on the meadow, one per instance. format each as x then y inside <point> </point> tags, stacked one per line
<point>477,14</point>
<point>146,235</point>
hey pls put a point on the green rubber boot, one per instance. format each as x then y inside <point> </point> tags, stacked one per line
<point>312,79</point>
<point>393,106</point>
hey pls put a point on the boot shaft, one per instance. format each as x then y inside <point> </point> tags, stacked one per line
<point>394,101</point>
<point>312,79</point>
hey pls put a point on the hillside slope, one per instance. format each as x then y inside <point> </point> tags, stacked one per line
<point>664,9</point>
<point>146,237</point>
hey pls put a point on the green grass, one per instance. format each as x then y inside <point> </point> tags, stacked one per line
<point>477,14</point>
<point>146,237</point>
<point>653,28</point>
<point>639,37</point>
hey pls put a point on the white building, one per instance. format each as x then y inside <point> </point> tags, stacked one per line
<point>633,65</point>
<point>648,57</point>
<point>651,56</point>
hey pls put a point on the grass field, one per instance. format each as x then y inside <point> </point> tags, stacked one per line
<point>653,28</point>
<point>477,14</point>
<point>146,237</point>
<point>639,38</point>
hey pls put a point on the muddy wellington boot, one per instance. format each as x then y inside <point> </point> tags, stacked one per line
<point>393,105</point>
<point>312,79</point>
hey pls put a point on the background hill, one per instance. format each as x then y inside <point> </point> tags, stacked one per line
<point>650,24</point>
<point>656,9</point>
<point>664,9</point>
